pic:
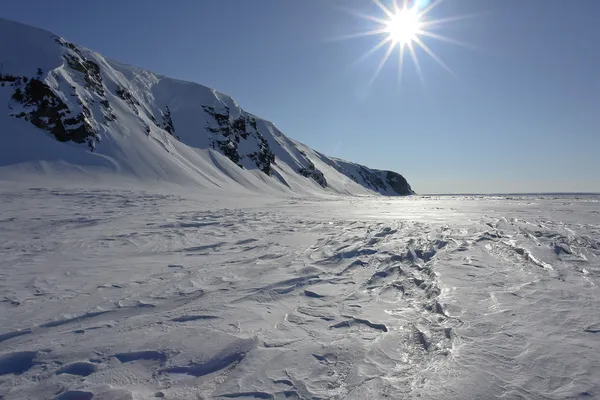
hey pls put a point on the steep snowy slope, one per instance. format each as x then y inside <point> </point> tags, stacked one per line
<point>65,103</point>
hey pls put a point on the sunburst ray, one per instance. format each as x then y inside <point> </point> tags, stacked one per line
<point>434,56</point>
<point>404,25</point>
<point>415,59</point>
<point>388,53</point>
<point>357,35</point>
<point>445,39</point>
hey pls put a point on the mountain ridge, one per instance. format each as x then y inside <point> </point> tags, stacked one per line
<point>105,113</point>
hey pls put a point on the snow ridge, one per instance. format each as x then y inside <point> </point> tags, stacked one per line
<point>131,121</point>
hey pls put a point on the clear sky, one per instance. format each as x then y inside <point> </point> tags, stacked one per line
<point>522,113</point>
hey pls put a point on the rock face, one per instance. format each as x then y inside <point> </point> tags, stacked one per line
<point>312,172</point>
<point>118,111</point>
<point>40,106</point>
<point>229,132</point>
<point>397,182</point>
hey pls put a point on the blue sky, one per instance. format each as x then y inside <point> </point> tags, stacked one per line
<point>521,115</point>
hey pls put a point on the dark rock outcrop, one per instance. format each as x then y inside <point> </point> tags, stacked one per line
<point>312,172</point>
<point>398,183</point>
<point>229,132</point>
<point>76,95</point>
<point>44,109</point>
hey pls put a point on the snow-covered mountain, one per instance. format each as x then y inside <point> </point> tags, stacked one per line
<point>67,104</point>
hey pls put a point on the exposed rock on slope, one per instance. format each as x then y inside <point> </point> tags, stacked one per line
<point>151,126</point>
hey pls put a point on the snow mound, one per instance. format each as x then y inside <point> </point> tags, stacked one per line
<point>70,106</point>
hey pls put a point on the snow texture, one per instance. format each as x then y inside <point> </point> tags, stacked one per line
<point>137,293</point>
<point>67,105</point>
<point>157,267</point>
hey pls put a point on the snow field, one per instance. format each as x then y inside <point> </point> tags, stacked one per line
<point>115,293</point>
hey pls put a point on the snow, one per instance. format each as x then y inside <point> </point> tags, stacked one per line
<point>156,267</point>
<point>119,290</point>
<point>135,142</point>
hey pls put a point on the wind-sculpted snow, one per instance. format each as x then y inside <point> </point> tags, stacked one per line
<point>120,294</point>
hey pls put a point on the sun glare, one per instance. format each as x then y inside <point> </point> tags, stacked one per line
<point>404,25</point>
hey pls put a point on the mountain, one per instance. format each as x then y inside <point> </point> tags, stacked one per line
<point>66,104</point>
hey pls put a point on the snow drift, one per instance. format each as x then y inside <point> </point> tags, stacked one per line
<point>67,104</point>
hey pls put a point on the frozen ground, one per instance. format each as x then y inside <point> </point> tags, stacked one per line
<point>125,293</point>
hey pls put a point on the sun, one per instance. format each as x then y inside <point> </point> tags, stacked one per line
<point>404,26</point>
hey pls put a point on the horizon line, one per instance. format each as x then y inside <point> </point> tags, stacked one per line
<point>510,194</point>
